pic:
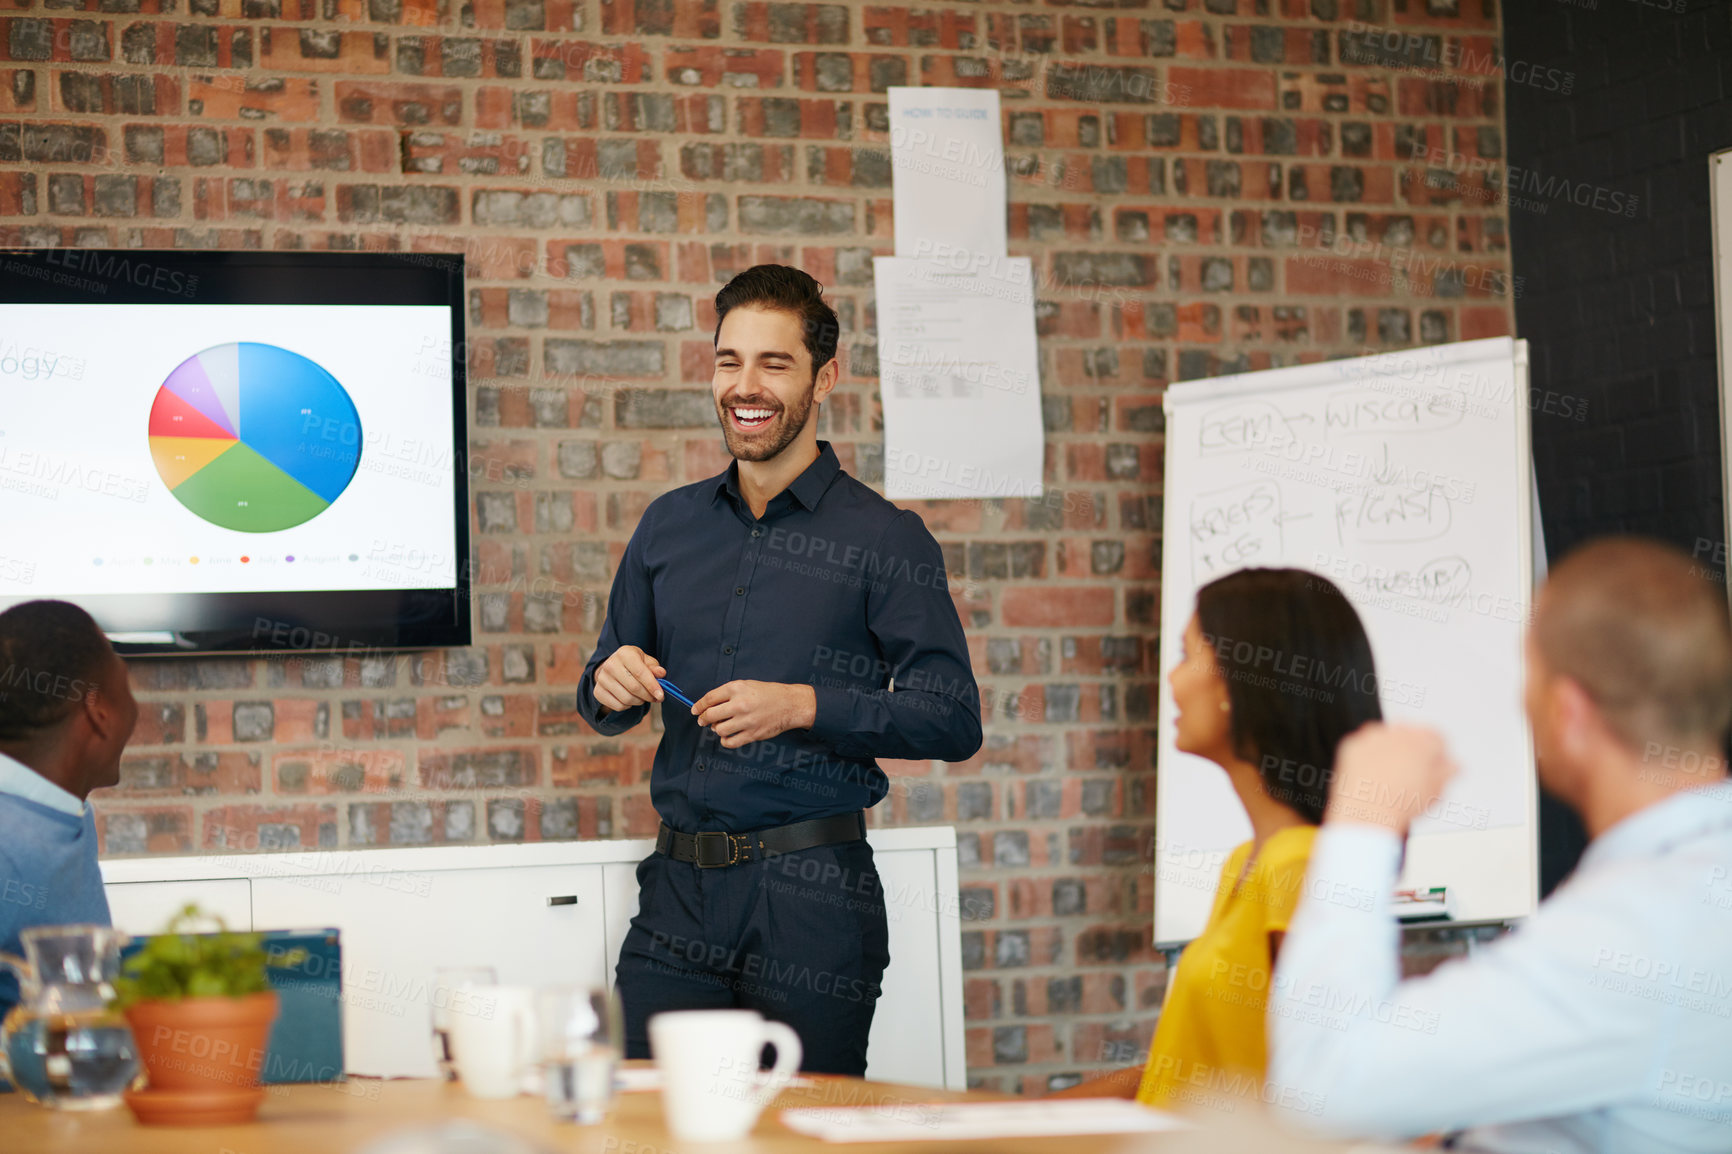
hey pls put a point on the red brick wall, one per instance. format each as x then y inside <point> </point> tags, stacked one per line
<point>1180,169</point>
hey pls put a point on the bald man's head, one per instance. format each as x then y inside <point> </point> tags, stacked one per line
<point>1646,637</point>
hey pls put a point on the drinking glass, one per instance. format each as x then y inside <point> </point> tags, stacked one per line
<point>450,994</point>
<point>581,1037</point>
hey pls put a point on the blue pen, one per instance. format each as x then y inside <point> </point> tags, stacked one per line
<point>675,691</point>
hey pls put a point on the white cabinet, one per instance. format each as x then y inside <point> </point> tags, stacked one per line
<point>912,996</point>
<point>147,907</point>
<point>399,928</point>
<point>405,912</point>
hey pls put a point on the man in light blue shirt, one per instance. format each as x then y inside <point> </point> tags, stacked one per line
<point>1604,1023</point>
<point>66,712</point>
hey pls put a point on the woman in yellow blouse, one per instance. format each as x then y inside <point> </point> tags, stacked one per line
<point>1276,671</point>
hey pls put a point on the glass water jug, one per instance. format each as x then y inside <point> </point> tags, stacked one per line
<point>61,1045</point>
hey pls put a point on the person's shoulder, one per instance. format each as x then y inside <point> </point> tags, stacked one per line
<point>1289,847</point>
<point>872,509</point>
<point>25,820</point>
<point>683,501</point>
<point>1231,870</point>
<point>1687,882</point>
<point>1281,863</point>
<point>20,828</point>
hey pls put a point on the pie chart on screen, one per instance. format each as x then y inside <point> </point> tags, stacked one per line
<point>253,437</point>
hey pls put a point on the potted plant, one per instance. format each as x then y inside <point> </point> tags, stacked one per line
<point>201,1008</point>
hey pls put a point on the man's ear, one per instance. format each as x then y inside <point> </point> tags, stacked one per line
<point>826,380</point>
<point>1574,717</point>
<point>98,707</point>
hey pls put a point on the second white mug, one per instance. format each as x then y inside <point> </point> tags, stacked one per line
<point>713,1087</point>
<point>493,1040</point>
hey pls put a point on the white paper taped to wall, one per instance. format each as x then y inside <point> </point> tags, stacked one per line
<point>960,377</point>
<point>947,157</point>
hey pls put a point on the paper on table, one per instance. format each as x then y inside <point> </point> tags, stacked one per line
<point>633,1079</point>
<point>960,377</point>
<point>947,169</point>
<point>642,1079</point>
<point>977,1120</point>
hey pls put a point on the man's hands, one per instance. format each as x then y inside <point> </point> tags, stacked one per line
<point>742,712</point>
<point>1387,775</point>
<point>628,679</point>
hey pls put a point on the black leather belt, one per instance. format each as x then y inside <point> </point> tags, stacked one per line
<point>711,850</point>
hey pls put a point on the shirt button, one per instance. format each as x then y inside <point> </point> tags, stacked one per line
<point>757,532</point>
<point>739,591</point>
<point>727,649</point>
<point>699,766</point>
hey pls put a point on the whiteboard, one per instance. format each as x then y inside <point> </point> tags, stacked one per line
<point>1720,182</point>
<point>1406,479</point>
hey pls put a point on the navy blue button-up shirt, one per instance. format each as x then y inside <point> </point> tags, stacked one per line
<point>834,587</point>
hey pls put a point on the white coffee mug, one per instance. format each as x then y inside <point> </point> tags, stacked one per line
<point>493,1039</point>
<point>713,1088</point>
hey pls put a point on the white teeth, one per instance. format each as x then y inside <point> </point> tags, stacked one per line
<point>752,414</point>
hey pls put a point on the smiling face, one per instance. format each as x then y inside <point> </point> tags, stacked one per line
<point>765,386</point>
<point>1204,725</point>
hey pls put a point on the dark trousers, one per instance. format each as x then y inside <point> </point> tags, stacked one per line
<point>800,938</point>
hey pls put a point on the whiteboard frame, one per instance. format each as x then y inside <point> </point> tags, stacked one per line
<point>1720,230</point>
<point>1495,848</point>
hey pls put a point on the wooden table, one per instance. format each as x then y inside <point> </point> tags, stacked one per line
<point>345,1117</point>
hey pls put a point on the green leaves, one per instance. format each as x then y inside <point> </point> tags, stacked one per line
<point>175,965</point>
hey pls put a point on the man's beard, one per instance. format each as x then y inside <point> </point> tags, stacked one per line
<point>788,423</point>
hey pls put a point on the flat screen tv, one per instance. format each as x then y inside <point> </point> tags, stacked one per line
<point>236,451</point>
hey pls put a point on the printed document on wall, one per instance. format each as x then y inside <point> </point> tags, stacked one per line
<point>960,377</point>
<point>947,161</point>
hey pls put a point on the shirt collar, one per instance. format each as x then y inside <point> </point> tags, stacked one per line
<point>808,488</point>
<point>20,780</point>
<point>1682,817</point>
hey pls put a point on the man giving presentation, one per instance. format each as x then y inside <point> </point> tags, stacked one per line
<point>793,626</point>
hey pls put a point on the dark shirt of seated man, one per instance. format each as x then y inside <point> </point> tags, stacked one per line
<point>66,712</point>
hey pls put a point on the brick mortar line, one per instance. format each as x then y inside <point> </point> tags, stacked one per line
<point>660,85</point>
<point>1087,290</point>
<point>913,54</point>
<point>1201,16</point>
<point>663,87</point>
<point>329,121</point>
<point>708,185</point>
<point>725,23</point>
<point>732,189</point>
<point>857,42</point>
<point>1142,295</point>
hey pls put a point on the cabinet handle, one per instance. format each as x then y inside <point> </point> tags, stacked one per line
<point>566,900</point>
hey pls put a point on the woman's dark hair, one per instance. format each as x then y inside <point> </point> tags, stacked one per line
<point>785,289</point>
<point>1300,676</point>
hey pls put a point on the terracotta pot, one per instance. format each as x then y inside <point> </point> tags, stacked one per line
<point>214,1045</point>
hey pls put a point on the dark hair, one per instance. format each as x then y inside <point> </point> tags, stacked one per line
<point>785,289</point>
<point>51,654</point>
<point>1299,672</point>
